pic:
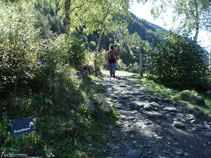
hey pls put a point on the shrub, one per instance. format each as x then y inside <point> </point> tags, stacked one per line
<point>133,67</point>
<point>72,50</point>
<point>120,65</point>
<point>179,62</point>
<point>17,49</point>
<point>27,62</point>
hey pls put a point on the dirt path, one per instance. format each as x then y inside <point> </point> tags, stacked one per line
<point>153,129</point>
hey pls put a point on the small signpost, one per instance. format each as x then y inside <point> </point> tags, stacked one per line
<point>22,126</point>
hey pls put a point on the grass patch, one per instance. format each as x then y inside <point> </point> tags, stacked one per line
<point>173,96</point>
<point>62,107</point>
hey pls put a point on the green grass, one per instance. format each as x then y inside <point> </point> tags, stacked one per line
<point>172,95</point>
<point>54,112</point>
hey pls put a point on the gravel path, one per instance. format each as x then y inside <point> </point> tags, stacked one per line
<point>153,128</point>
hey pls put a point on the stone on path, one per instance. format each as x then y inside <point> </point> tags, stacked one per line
<point>137,104</point>
<point>180,153</point>
<point>154,114</point>
<point>207,134</point>
<point>170,109</point>
<point>103,103</point>
<point>155,104</point>
<point>134,154</point>
<point>148,107</point>
<point>178,124</point>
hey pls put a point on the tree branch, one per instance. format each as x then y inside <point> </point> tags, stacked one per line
<point>80,6</point>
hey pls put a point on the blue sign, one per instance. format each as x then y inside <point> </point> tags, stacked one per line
<point>22,126</point>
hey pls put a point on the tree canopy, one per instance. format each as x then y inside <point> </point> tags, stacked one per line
<point>191,14</point>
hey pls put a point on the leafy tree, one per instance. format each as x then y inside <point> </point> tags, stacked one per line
<point>190,13</point>
<point>100,16</point>
<point>179,62</point>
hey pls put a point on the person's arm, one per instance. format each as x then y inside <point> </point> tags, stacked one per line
<point>116,54</point>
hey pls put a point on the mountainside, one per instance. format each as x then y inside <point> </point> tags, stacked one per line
<point>145,30</point>
<point>142,34</point>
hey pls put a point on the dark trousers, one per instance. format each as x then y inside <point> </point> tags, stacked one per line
<point>112,67</point>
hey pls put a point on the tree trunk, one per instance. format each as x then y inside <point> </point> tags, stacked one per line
<point>102,28</point>
<point>67,16</point>
<point>96,52</point>
<point>196,21</point>
<point>141,65</point>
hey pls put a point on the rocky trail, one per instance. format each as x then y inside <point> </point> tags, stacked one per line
<point>153,129</point>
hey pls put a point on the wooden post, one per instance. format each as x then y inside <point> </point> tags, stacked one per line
<point>141,65</point>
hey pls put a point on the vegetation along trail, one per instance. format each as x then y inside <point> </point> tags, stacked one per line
<point>150,126</point>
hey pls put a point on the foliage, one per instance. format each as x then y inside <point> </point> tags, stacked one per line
<point>129,46</point>
<point>48,19</point>
<point>53,113</point>
<point>18,49</point>
<point>120,65</point>
<point>133,67</point>
<point>191,14</point>
<point>72,48</point>
<point>93,15</point>
<point>177,97</point>
<point>177,61</point>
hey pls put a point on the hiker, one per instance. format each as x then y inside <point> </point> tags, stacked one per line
<point>112,59</point>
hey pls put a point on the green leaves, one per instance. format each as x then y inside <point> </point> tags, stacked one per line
<point>179,61</point>
<point>191,15</point>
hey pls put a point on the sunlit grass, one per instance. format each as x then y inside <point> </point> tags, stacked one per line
<point>118,73</point>
<point>172,95</point>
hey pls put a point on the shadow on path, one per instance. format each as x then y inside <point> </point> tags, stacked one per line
<point>147,126</point>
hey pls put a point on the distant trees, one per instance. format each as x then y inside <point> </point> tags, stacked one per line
<point>48,17</point>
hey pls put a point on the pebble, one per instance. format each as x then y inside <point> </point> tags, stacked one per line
<point>178,124</point>
<point>207,134</point>
<point>159,138</point>
<point>180,153</point>
<point>189,130</point>
<point>193,121</point>
<point>148,123</point>
<point>165,151</point>
<point>148,107</point>
<point>171,109</point>
<point>134,154</point>
<point>186,154</point>
<point>118,123</point>
<point>154,114</point>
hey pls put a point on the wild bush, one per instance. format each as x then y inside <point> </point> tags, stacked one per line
<point>17,49</point>
<point>72,49</point>
<point>179,62</point>
<point>27,62</point>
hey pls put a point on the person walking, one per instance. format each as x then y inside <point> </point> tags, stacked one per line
<point>112,59</point>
